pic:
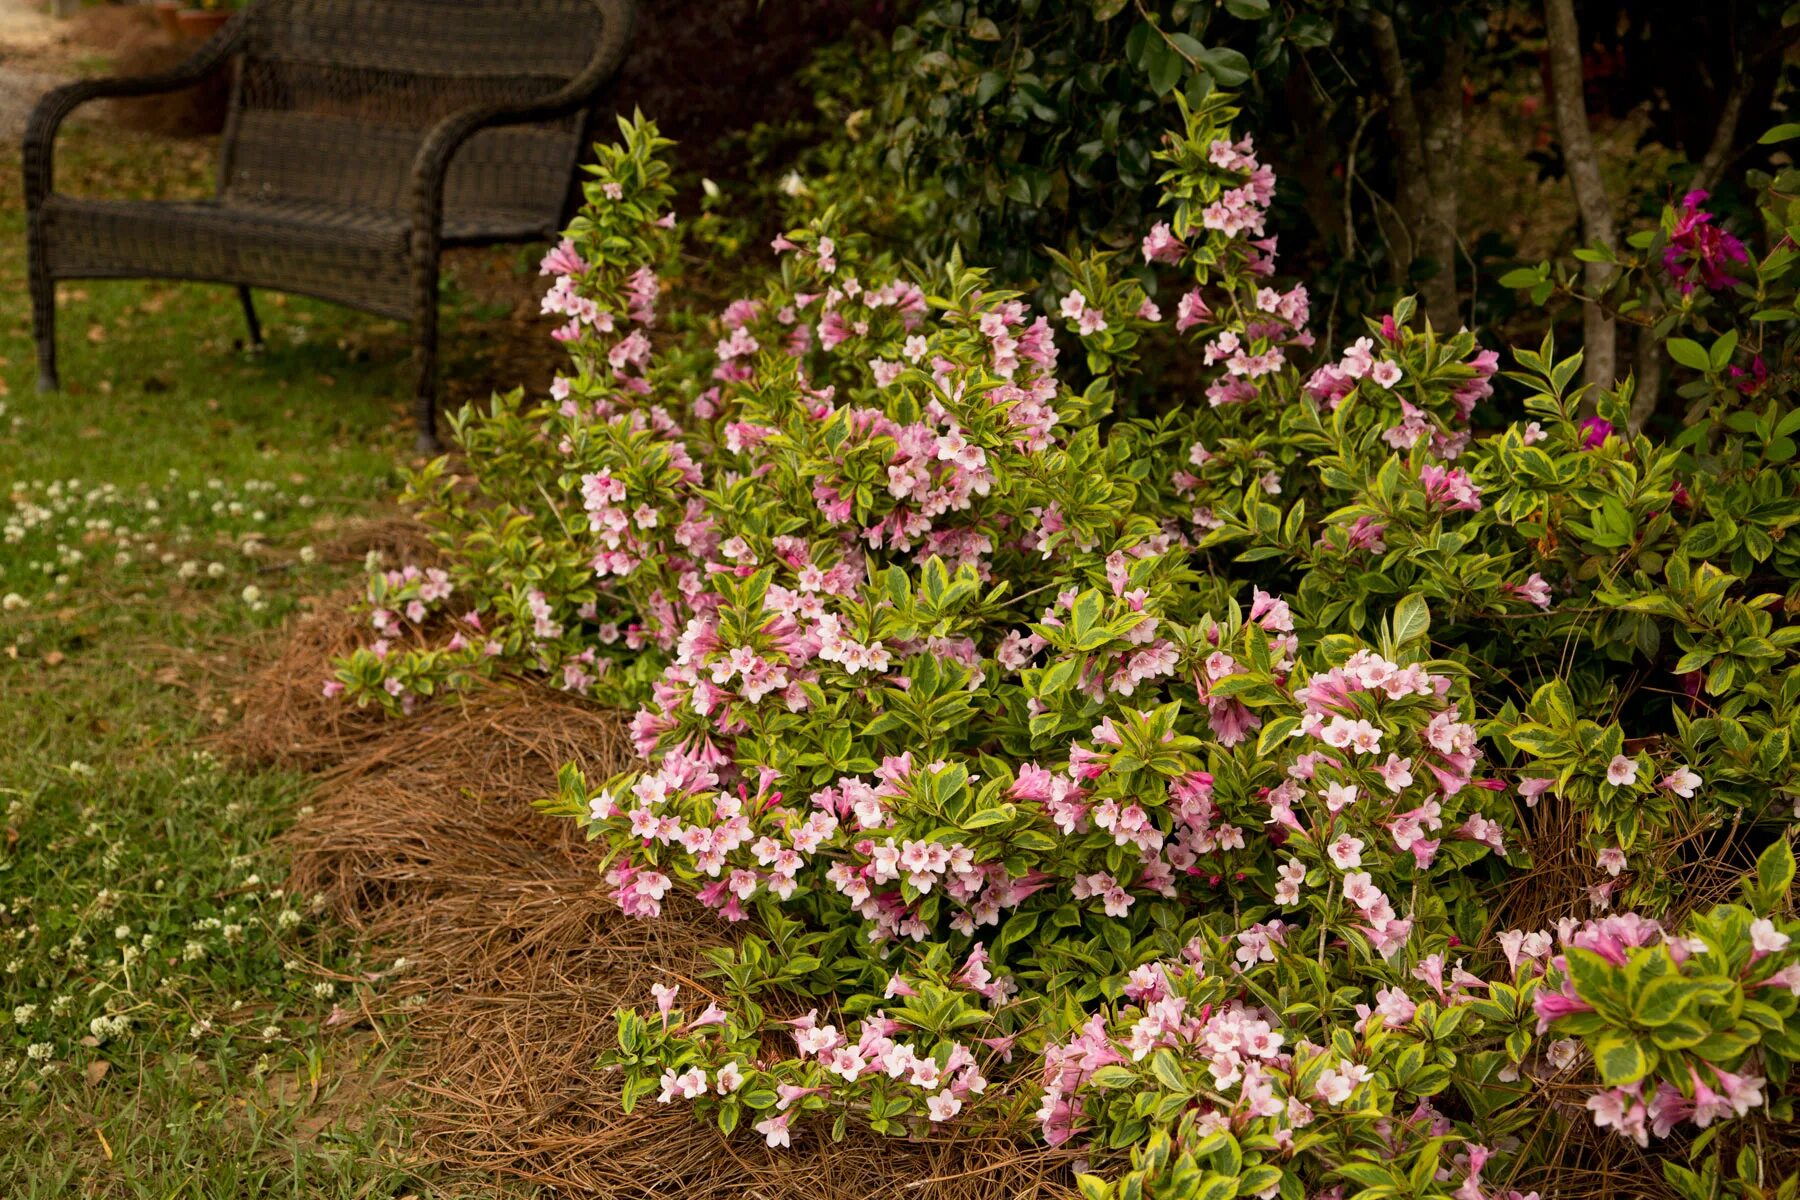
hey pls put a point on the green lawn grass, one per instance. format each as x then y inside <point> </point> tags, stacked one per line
<point>165,1007</point>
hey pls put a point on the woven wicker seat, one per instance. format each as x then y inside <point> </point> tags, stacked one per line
<point>363,136</point>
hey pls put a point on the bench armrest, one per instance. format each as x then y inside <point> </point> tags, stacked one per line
<point>432,163</point>
<point>55,105</point>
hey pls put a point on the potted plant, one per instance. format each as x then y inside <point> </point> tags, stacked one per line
<point>205,18</point>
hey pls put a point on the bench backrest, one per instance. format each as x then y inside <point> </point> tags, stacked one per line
<point>334,98</point>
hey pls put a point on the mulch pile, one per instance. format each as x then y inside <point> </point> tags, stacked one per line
<point>423,839</point>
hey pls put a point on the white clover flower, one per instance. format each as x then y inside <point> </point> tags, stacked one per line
<point>24,1014</point>
<point>215,570</point>
<point>39,1052</point>
<point>109,1027</point>
<point>193,952</point>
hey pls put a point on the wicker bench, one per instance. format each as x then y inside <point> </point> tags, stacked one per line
<point>363,136</point>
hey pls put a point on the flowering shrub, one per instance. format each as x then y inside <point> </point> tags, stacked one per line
<point>1155,782</point>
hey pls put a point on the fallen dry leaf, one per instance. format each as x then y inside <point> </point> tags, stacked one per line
<point>96,333</point>
<point>96,1070</point>
<point>54,658</point>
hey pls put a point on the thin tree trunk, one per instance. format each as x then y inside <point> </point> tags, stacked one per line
<point>1429,145</point>
<point>1720,153</point>
<point>1442,121</point>
<point>1752,74</point>
<point>1600,333</point>
<point>1647,376</point>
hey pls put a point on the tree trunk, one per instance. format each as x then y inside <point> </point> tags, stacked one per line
<point>1754,75</point>
<point>1442,122</point>
<point>1647,375</point>
<point>1600,334</point>
<point>1429,145</point>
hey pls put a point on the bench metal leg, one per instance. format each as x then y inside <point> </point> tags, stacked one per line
<point>43,315</point>
<point>250,321</point>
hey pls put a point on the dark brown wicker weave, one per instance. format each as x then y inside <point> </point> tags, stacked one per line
<point>363,136</point>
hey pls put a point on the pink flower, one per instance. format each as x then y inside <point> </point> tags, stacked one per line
<point>1386,373</point>
<point>1612,860</point>
<point>941,1106</point>
<point>1682,782</point>
<point>1160,245</point>
<point>1765,938</point>
<point>775,1129</point>
<point>1535,590</point>
<point>1621,771</point>
<point>1531,789</point>
<point>1335,1086</point>
<point>563,260</point>
<point>1087,320</point>
<point>1617,1109</point>
<point>730,1078</point>
<point>665,998</point>
<point>1191,310</point>
<point>1346,852</point>
<point>1449,488</point>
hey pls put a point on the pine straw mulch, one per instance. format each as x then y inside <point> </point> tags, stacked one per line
<point>422,839</point>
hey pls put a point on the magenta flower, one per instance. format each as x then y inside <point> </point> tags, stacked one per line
<point>1594,432</point>
<point>1752,381</point>
<point>1699,251</point>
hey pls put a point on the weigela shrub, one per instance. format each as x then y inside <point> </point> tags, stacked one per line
<point>1155,782</point>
